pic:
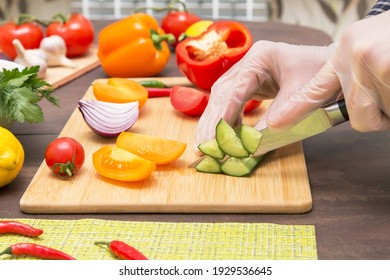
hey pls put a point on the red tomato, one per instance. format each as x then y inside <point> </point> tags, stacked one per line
<point>77,32</point>
<point>64,156</point>
<point>190,101</point>
<point>28,33</point>
<point>177,22</point>
<point>251,105</point>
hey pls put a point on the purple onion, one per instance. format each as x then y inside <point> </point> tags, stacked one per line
<point>108,119</point>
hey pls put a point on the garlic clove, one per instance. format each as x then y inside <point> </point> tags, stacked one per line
<point>30,57</point>
<point>55,48</point>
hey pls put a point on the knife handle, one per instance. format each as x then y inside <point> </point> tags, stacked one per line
<point>337,112</point>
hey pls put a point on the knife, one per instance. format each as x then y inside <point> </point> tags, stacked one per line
<point>317,122</point>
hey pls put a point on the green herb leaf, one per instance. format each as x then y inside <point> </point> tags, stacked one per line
<point>20,92</point>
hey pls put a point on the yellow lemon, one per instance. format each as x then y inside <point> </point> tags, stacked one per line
<point>11,157</point>
<point>198,28</point>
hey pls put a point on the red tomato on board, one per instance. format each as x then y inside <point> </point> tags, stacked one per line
<point>193,102</point>
<point>77,32</point>
<point>190,101</point>
<point>64,156</point>
<point>28,33</point>
<point>177,22</point>
<point>251,105</point>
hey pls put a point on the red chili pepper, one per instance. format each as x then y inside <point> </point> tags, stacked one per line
<point>123,250</point>
<point>19,228</point>
<point>31,249</point>
<point>158,92</point>
<point>205,58</point>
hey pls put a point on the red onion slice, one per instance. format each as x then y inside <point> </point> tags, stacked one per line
<point>108,119</point>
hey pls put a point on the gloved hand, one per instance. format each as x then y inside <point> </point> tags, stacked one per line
<point>269,69</point>
<point>361,68</point>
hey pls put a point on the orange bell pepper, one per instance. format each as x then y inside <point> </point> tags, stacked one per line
<point>134,47</point>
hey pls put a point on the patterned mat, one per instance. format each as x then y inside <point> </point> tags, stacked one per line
<point>172,241</point>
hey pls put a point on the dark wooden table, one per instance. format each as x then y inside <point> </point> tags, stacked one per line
<point>349,172</point>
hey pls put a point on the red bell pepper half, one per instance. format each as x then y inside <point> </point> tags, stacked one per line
<point>205,58</point>
<point>193,101</point>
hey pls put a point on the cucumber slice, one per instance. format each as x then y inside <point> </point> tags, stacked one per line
<point>240,166</point>
<point>250,138</point>
<point>228,141</point>
<point>211,149</point>
<point>209,165</point>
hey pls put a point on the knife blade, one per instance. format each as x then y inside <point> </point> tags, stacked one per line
<point>317,122</point>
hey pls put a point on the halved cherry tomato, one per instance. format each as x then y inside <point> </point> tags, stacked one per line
<point>120,90</point>
<point>159,150</point>
<point>190,101</point>
<point>64,156</point>
<point>193,101</point>
<point>118,164</point>
<point>251,105</point>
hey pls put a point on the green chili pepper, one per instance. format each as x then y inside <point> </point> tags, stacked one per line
<point>153,84</point>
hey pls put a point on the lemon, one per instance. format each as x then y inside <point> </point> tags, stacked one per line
<point>198,28</point>
<point>11,157</point>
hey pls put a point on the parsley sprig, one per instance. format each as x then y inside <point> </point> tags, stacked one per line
<point>20,92</point>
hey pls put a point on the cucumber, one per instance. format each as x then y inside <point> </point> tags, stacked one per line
<point>209,165</point>
<point>240,166</point>
<point>228,141</point>
<point>211,149</point>
<point>250,138</point>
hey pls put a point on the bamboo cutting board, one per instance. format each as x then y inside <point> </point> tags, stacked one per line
<point>279,185</point>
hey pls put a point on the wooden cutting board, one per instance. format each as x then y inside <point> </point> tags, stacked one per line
<point>279,185</point>
<point>58,76</point>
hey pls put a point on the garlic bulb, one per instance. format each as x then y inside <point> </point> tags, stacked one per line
<point>55,48</point>
<point>30,57</point>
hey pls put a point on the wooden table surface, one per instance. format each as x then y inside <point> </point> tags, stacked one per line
<point>348,171</point>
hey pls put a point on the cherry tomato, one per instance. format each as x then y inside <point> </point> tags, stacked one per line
<point>251,105</point>
<point>177,22</point>
<point>190,101</point>
<point>76,30</point>
<point>64,156</point>
<point>28,33</point>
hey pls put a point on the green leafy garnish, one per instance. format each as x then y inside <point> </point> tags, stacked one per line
<point>20,92</point>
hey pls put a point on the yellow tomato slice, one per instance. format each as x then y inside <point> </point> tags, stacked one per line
<point>159,150</point>
<point>120,90</point>
<point>118,164</point>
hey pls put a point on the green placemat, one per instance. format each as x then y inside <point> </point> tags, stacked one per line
<point>173,241</point>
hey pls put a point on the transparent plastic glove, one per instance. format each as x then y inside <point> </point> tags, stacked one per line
<point>269,69</point>
<point>361,68</point>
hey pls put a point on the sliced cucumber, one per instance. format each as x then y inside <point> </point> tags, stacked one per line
<point>211,149</point>
<point>228,141</point>
<point>240,166</point>
<point>250,138</point>
<point>209,165</point>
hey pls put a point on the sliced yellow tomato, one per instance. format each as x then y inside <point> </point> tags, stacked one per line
<point>159,150</point>
<point>120,90</point>
<point>118,164</point>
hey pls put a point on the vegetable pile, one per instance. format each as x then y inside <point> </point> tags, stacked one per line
<point>230,153</point>
<point>76,31</point>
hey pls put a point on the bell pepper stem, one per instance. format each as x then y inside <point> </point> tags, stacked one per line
<point>158,39</point>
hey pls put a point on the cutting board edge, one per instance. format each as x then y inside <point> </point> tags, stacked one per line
<point>293,207</point>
